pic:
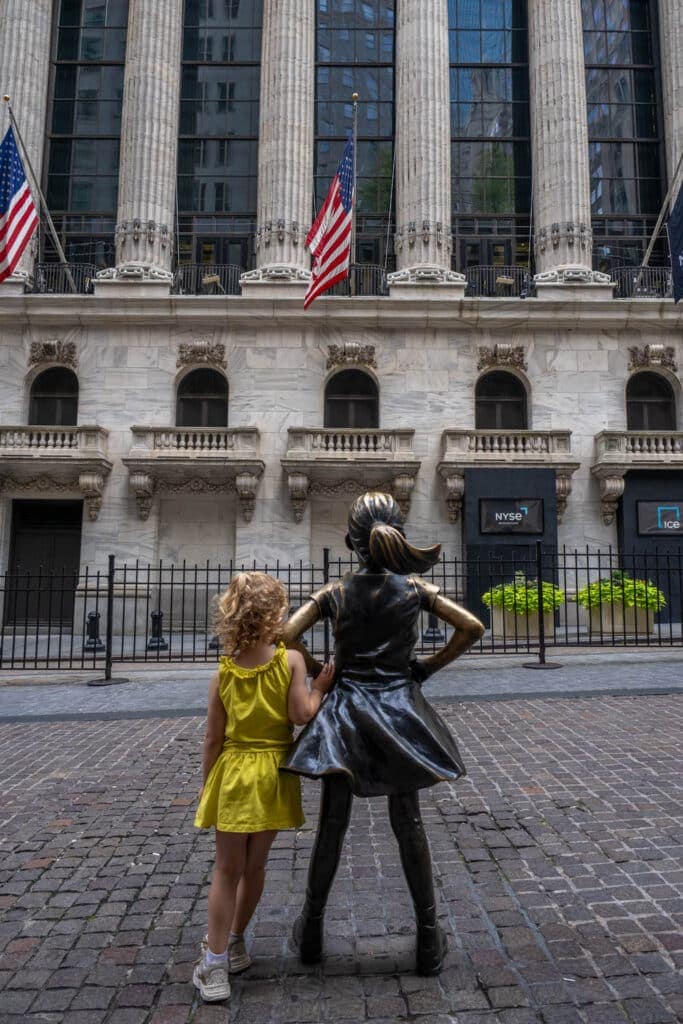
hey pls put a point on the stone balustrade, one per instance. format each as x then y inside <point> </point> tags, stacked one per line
<point>618,451</point>
<point>343,463</point>
<point>194,460</point>
<point>55,461</point>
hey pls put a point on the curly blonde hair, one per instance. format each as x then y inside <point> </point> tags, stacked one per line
<point>254,608</point>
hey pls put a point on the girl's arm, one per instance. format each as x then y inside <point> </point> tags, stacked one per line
<point>302,619</point>
<point>302,705</point>
<point>214,736</point>
<point>467,630</point>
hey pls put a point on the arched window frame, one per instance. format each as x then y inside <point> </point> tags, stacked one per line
<point>334,376</point>
<point>674,389</point>
<point>526,393</point>
<point>62,417</point>
<point>181,380</point>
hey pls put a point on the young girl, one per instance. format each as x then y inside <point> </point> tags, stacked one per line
<point>257,694</point>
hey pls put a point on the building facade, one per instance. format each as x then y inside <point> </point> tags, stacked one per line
<point>497,341</point>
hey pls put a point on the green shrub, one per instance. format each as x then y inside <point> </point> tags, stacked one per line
<point>521,596</point>
<point>624,590</point>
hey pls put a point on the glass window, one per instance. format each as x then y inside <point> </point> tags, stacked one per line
<point>352,401</point>
<point>650,403</point>
<point>84,131</point>
<point>202,400</point>
<point>219,126</point>
<point>500,402</point>
<point>623,124</point>
<point>490,128</point>
<point>54,399</point>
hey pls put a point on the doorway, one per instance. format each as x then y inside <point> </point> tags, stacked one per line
<point>45,552</point>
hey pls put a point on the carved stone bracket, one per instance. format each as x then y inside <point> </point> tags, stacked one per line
<point>425,275</point>
<point>275,273</point>
<point>245,485</point>
<point>91,486</point>
<point>54,350</point>
<point>658,356</point>
<point>454,484</point>
<point>135,272</point>
<point>502,354</point>
<point>402,488</point>
<point>301,486</point>
<point>142,486</point>
<point>573,275</point>
<point>455,492</point>
<point>351,353</point>
<point>611,490</point>
<point>298,484</point>
<point>563,488</point>
<point>202,353</point>
<point>568,231</point>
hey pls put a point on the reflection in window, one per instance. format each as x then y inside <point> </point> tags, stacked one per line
<point>202,400</point>
<point>650,403</point>
<point>490,133</point>
<point>54,399</point>
<point>352,400</point>
<point>623,126</point>
<point>219,119</point>
<point>82,160</point>
<point>355,53</point>
<point>500,402</point>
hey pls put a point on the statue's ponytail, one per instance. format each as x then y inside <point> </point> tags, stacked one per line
<point>390,550</point>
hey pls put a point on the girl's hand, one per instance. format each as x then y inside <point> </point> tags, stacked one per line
<point>324,680</point>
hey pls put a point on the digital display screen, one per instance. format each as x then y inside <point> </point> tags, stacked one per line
<point>662,518</point>
<point>511,515</point>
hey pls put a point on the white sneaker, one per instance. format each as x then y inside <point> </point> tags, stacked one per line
<point>238,958</point>
<point>212,982</point>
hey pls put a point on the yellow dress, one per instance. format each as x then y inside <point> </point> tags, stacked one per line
<point>245,791</point>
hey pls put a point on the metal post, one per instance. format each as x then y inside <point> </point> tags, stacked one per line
<point>662,214</point>
<point>326,580</point>
<point>541,663</point>
<point>352,256</point>
<point>109,639</point>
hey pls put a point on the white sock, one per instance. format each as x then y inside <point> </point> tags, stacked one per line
<point>215,959</point>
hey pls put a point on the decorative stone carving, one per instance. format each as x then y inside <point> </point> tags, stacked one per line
<point>301,486</point>
<point>202,352</point>
<point>611,490</point>
<point>425,275</point>
<point>298,492</point>
<point>135,272</point>
<point>502,354</point>
<point>351,353</point>
<point>245,485</point>
<point>573,275</point>
<point>142,486</point>
<point>455,492</point>
<point>42,483</point>
<point>275,273</point>
<point>659,356</point>
<point>402,488</point>
<point>91,486</point>
<point>563,488</point>
<point>54,350</point>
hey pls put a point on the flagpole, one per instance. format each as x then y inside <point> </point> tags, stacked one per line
<point>660,219</point>
<point>36,185</point>
<point>352,268</point>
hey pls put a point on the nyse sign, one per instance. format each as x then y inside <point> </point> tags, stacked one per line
<point>661,518</point>
<point>509,515</point>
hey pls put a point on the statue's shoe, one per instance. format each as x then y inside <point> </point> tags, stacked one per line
<point>307,935</point>
<point>431,949</point>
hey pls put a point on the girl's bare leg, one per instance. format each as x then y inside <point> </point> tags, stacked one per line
<point>231,853</point>
<point>252,881</point>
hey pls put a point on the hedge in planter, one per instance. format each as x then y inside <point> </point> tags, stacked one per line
<point>620,589</point>
<point>520,596</point>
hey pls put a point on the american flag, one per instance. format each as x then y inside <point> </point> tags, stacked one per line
<point>18,213</point>
<point>330,237</point>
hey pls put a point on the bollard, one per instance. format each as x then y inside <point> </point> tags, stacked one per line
<point>213,643</point>
<point>156,641</point>
<point>433,634</point>
<point>93,641</point>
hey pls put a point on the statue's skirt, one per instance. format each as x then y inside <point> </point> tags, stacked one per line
<point>384,736</point>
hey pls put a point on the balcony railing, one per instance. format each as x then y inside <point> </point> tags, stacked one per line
<point>51,278</point>
<point>366,278</point>
<point>194,442</point>
<point>644,446</point>
<point>497,282</point>
<point>41,441</point>
<point>383,444</point>
<point>503,445</point>
<point>208,279</point>
<point>642,282</point>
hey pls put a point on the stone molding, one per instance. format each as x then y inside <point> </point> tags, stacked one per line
<point>409,235</point>
<point>502,354</point>
<point>351,353</point>
<point>553,236</point>
<point>573,275</point>
<point>137,230</point>
<point>618,451</point>
<point>426,275</point>
<point>277,231</point>
<point>54,350</point>
<point>202,353</point>
<point>89,484</point>
<point>134,273</point>
<point>276,273</point>
<point>301,486</point>
<point>661,357</point>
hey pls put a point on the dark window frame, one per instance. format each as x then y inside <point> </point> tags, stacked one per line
<point>640,408</point>
<point>64,399</point>
<point>213,404</point>
<point>347,404</point>
<point>500,403</point>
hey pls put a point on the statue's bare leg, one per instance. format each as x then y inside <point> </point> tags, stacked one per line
<point>406,821</point>
<point>335,810</point>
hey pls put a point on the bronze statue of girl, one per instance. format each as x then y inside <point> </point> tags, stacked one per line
<point>376,734</point>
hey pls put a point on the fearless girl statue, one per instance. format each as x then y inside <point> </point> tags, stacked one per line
<point>375,734</point>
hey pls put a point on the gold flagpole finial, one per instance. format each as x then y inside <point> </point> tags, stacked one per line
<point>355,97</point>
<point>6,98</point>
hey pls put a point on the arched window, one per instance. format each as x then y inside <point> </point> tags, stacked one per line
<point>500,402</point>
<point>351,400</point>
<point>202,400</point>
<point>650,403</point>
<point>54,399</point>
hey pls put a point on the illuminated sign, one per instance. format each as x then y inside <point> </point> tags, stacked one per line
<point>509,515</point>
<point>660,518</point>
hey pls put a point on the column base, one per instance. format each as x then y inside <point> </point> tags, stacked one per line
<point>17,284</point>
<point>133,280</point>
<point>573,282</point>
<point>276,281</point>
<point>426,282</point>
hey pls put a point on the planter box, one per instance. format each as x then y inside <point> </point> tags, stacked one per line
<point>614,618</point>
<point>520,627</point>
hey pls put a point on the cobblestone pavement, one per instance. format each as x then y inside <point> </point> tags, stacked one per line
<point>558,863</point>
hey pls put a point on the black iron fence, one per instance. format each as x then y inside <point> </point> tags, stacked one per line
<point>530,599</point>
<point>497,282</point>
<point>53,279</point>
<point>642,282</point>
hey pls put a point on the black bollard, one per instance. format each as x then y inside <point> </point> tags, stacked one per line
<point>213,643</point>
<point>156,641</point>
<point>433,634</point>
<point>93,640</point>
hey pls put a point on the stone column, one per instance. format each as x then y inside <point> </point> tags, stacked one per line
<point>671,36</point>
<point>149,144</point>
<point>285,174</point>
<point>423,150</point>
<point>24,71</point>
<point>559,127</point>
